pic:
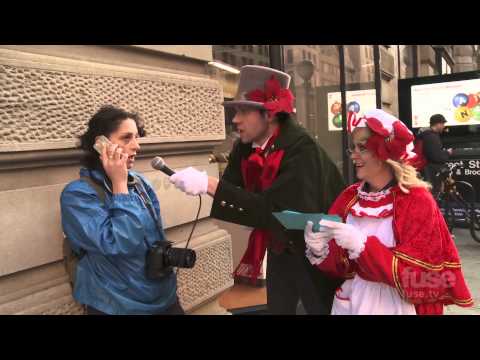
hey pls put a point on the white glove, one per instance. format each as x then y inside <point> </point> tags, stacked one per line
<point>316,243</point>
<point>347,236</point>
<point>191,181</point>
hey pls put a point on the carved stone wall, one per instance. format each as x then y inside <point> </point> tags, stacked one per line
<point>212,273</point>
<point>46,101</point>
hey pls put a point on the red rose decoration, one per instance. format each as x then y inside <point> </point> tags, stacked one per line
<point>274,98</point>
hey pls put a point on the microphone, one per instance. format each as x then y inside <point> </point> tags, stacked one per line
<point>159,164</point>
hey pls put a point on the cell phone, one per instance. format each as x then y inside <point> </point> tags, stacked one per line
<point>101,142</point>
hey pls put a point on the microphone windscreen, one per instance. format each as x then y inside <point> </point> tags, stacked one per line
<point>158,163</point>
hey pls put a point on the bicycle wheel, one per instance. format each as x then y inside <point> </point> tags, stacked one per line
<point>466,195</point>
<point>466,190</point>
<point>446,203</point>
<point>475,225</point>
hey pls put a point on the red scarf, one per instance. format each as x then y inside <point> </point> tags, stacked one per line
<point>259,171</point>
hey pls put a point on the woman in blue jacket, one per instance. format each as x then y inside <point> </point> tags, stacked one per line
<point>115,233</point>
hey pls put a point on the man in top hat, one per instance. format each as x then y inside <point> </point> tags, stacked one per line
<point>274,166</point>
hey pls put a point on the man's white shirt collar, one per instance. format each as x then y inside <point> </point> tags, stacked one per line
<point>255,145</point>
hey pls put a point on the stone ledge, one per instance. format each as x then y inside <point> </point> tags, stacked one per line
<point>37,299</point>
<point>61,157</point>
<point>56,63</point>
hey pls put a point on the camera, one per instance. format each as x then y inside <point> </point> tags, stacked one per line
<point>162,258</point>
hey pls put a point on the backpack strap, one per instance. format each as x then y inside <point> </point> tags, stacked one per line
<point>70,257</point>
<point>96,186</point>
<point>101,194</point>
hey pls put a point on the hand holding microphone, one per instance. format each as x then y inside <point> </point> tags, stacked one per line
<point>190,180</point>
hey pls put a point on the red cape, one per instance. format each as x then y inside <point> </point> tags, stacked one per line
<point>424,266</point>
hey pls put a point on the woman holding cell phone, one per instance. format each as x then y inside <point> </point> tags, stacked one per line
<point>394,249</point>
<point>111,217</point>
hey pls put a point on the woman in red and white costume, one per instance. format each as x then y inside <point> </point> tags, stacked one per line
<point>394,248</point>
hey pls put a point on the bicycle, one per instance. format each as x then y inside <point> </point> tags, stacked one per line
<point>456,198</point>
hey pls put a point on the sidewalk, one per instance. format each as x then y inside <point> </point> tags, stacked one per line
<point>469,251</point>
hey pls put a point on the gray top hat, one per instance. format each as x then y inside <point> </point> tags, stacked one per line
<point>253,77</point>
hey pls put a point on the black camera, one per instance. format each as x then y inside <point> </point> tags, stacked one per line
<point>162,258</point>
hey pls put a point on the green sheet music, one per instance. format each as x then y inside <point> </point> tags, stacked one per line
<point>293,220</point>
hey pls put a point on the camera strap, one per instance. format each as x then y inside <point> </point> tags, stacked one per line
<point>140,189</point>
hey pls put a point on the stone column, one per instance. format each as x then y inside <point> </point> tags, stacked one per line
<point>465,58</point>
<point>45,103</point>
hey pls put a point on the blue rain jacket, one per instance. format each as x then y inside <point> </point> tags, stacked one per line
<point>115,236</point>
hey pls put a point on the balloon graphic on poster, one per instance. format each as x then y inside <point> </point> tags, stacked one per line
<point>336,108</point>
<point>457,101</point>
<point>463,114</point>
<point>337,121</point>
<point>353,106</point>
<point>356,101</point>
<point>476,112</point>
<point>460,100</point>
<point>472,100</point>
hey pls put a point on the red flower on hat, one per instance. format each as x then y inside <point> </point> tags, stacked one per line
<point>274,98</point>
<point>388,145</point>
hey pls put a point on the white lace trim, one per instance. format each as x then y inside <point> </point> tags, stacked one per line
<point>316,259</point>
<point>358,210</point>
<point>372,196</point>
<point>355,254</point>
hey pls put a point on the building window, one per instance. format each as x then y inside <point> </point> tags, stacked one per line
<point>225,57</point>
<point>289,56</point>
<point>406,60</point>
<point>260,49</point>
<point>446,68</point>
<point>250,48</point>
<point>315,95</point>
<point>233,60</point>
<point>244,47</point>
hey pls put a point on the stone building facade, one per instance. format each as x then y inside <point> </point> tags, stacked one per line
<point>47,95</point>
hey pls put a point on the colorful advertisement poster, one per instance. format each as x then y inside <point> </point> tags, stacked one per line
<point>457,101</point>
<point>358,101</point>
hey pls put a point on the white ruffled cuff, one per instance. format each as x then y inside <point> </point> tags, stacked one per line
<point>360,246</point>
<point>316,259</point>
